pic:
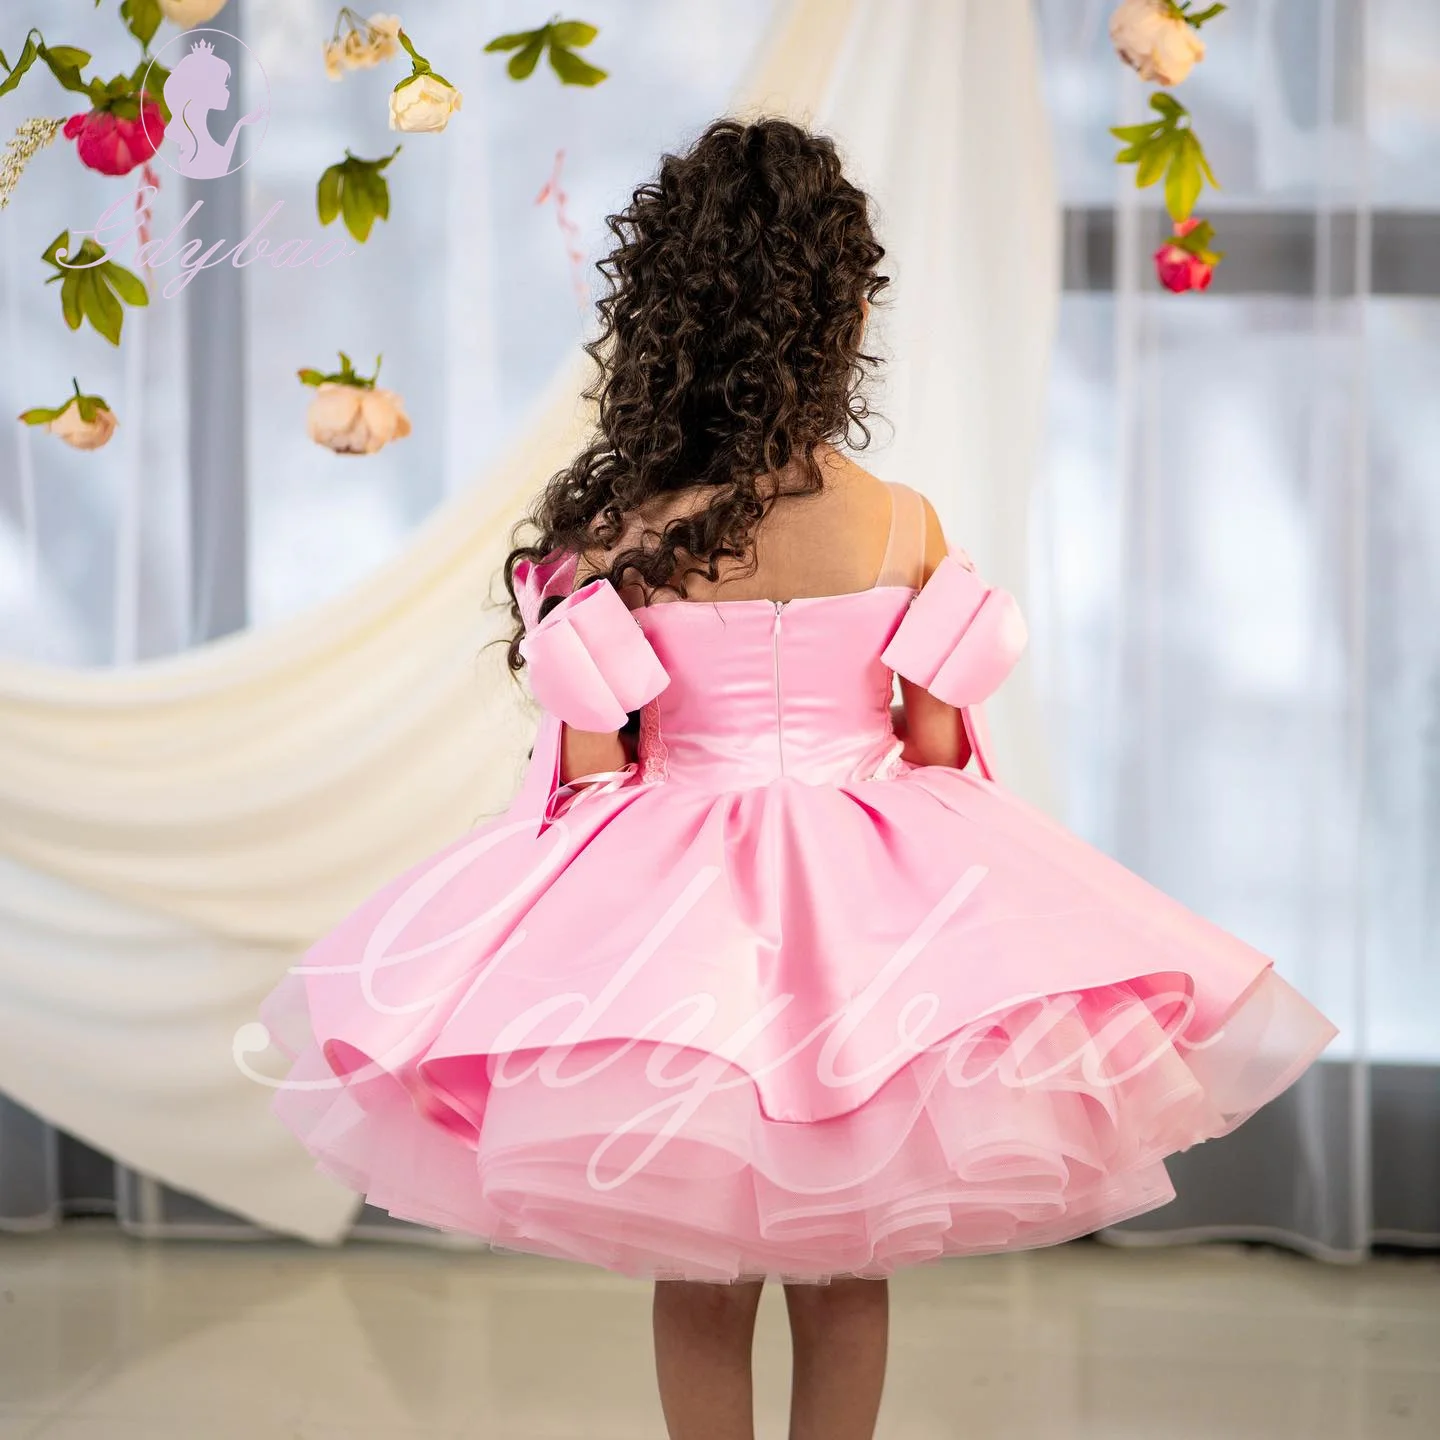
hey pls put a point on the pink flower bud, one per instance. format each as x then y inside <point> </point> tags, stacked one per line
<point>1178,269</point>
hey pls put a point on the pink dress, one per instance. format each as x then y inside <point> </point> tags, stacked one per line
<point>773,1001</point>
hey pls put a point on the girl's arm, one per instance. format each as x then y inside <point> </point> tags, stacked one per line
<point>932,730</point>
<point>586,752</point>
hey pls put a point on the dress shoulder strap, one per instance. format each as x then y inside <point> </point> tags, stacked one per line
<point>904,561</point>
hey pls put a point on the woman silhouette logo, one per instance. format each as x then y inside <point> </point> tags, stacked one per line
<point>199,86</point>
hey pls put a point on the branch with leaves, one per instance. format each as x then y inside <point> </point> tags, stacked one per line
<point>559,39</point>
<point>93,288</point>
<point>1159,39</point>
<point>354,188</point>
<point>357,190</point>
<point>1167,147</point>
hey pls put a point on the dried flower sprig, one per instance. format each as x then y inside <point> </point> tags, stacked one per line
<point>29,139</point>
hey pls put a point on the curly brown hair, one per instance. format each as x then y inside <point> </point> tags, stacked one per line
<point>728,350</point>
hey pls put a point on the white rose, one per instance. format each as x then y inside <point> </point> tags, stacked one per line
<point>83,434</point>
<point>351,420</point>
<point>186,13</point>
<point>1150,37</point>
<point>425,104</point>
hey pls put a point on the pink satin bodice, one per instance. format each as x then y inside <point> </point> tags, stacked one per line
<point>739,693</point>
<point>761,690</point>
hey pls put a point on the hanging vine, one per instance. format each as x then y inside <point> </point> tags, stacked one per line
<point>125,124</point>
<point>1160,40</point>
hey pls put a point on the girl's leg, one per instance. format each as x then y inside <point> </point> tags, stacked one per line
<point>840,1334</point>
<point>703,1338</point>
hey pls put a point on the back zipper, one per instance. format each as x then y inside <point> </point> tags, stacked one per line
<point>775,651</point>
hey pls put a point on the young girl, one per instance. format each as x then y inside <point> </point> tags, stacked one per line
<point>786,986</point>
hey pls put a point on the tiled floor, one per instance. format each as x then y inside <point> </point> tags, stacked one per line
<point>114,1339</point>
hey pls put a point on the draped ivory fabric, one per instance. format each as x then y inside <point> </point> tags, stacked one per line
<point>174,833</point>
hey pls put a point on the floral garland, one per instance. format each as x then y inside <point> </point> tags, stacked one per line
<point>125,126</point>
<point>1159,39</point>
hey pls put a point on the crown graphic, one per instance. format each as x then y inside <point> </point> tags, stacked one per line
<point>202,47</point>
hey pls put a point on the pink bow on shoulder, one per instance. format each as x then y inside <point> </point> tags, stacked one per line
<point>589,662</point>
<point>960,638</point>
<point>537,580</point>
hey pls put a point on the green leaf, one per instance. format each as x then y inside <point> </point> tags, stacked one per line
<point>310,377</point>
<point>384,160</point>
<point>522,64</point>
<point>64,69</point>
<point>574,34</point>
<point>1183,182</point>
<point>149,78</point>
<point>357,208</point>
<point>1131,154</point>
<point>378,190</point>
<point>68,55</point>
<point>515,41</point>
<point>41,416</point>
<point>87,407</point>
<point>421,63</point>
<point>1131,134</point>
<point>572,70</point>
<point>1167,105</point>
<point>327,194</point>
<point>1153,161</point>
<point>101,307</point>
<point>27,58</point>
<point>142,18</point>
<point>126,284</point>
<point>70,306</point>
<point>1204,164</point>
<point>59,243</point>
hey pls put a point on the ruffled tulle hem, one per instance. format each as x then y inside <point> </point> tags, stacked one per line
<point>1032,1126</point>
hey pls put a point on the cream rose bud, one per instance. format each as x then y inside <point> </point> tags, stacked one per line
<point>335,60</point>
<point>83,434</point>
<point>186,13</point>
<point>425,105</point>
<point>351,420</point>
<point>1150,37</point>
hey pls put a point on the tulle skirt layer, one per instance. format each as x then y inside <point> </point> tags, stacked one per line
<point>795,1031</point>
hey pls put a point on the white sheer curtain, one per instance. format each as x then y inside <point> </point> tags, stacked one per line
<point>1240,529</point>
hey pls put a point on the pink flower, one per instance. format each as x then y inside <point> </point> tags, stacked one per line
<point>1179,269</point>
<point>113,145</point>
